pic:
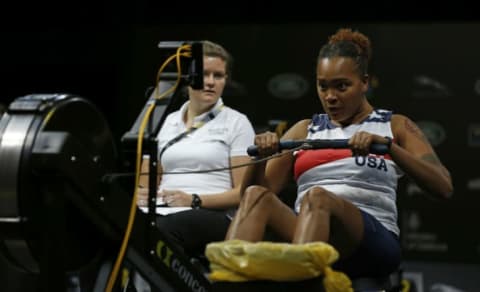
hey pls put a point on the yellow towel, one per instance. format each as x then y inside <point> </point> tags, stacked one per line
<point>238,260</point>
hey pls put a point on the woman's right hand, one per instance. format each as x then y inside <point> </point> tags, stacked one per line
<point>267,143</point>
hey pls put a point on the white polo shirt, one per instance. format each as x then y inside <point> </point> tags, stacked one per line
<point>227,135</point>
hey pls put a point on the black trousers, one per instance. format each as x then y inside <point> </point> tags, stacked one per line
<point>193,229</point>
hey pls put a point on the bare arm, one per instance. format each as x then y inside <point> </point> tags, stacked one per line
<point>230,198</point>
<point>414,154</point>
<point>274,173</point>
<point>144,173</point>
<point>223,200</point>
<point>143,184</point>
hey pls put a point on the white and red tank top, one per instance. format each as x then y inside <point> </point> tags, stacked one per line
<point>368,182</point>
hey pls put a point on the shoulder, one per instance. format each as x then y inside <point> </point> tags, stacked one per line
<point>233,114</point>
<point>237,122</point>
<point>379,115</point>
<point>302,123</point>
<point>399,119</point>
<point>402,124</point>
<point>298,130</point>
<point>173,114</point>
<point>172,117</point>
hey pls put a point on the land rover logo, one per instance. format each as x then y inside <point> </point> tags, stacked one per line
<point>476,87</point>
<point>434,131</point>
<point>287,86</point>
<point>474,135</point>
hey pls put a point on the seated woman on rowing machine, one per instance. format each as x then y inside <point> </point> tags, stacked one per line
<point>346,197</point>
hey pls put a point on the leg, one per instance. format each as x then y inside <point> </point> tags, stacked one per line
<point>258,208</point>
<point>329,218</point>
<point>194,229</point>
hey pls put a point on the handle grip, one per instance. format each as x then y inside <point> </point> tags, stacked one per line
<point>375,148</point>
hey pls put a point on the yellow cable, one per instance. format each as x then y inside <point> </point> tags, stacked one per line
<point>178,55</point>
<point>141,130</point>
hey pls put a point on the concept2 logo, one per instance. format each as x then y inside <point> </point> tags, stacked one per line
<point>167,256</point>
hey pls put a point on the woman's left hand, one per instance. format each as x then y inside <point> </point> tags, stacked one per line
<point>176,198</point>
<point>360,142</point>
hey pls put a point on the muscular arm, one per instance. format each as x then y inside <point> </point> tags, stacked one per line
<point>414,154</point>
<point>275,173</point>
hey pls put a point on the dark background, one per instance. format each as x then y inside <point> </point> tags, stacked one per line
<point>425,64</point>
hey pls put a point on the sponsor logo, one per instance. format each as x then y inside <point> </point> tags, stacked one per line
<point>434,132</point>
<point>287,86</point>
<point>414,221</point>
<point>427,87</point>
<point>187,276</point>
<point>474,184</point>
<point>168,258</point>
<point>476,86</point>
<point>164,253</point>
<point>413,189</point>
<point>415,238</point>
<point>474,135</point>
<point>217,131</point>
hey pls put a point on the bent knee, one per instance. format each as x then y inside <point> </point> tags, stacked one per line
<point>256,194</point>
<point>319,198</point>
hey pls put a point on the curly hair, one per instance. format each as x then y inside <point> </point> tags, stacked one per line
<point>350,44</point>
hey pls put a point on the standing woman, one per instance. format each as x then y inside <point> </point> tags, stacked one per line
<point>346,197</point>
<point>197,203</point>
